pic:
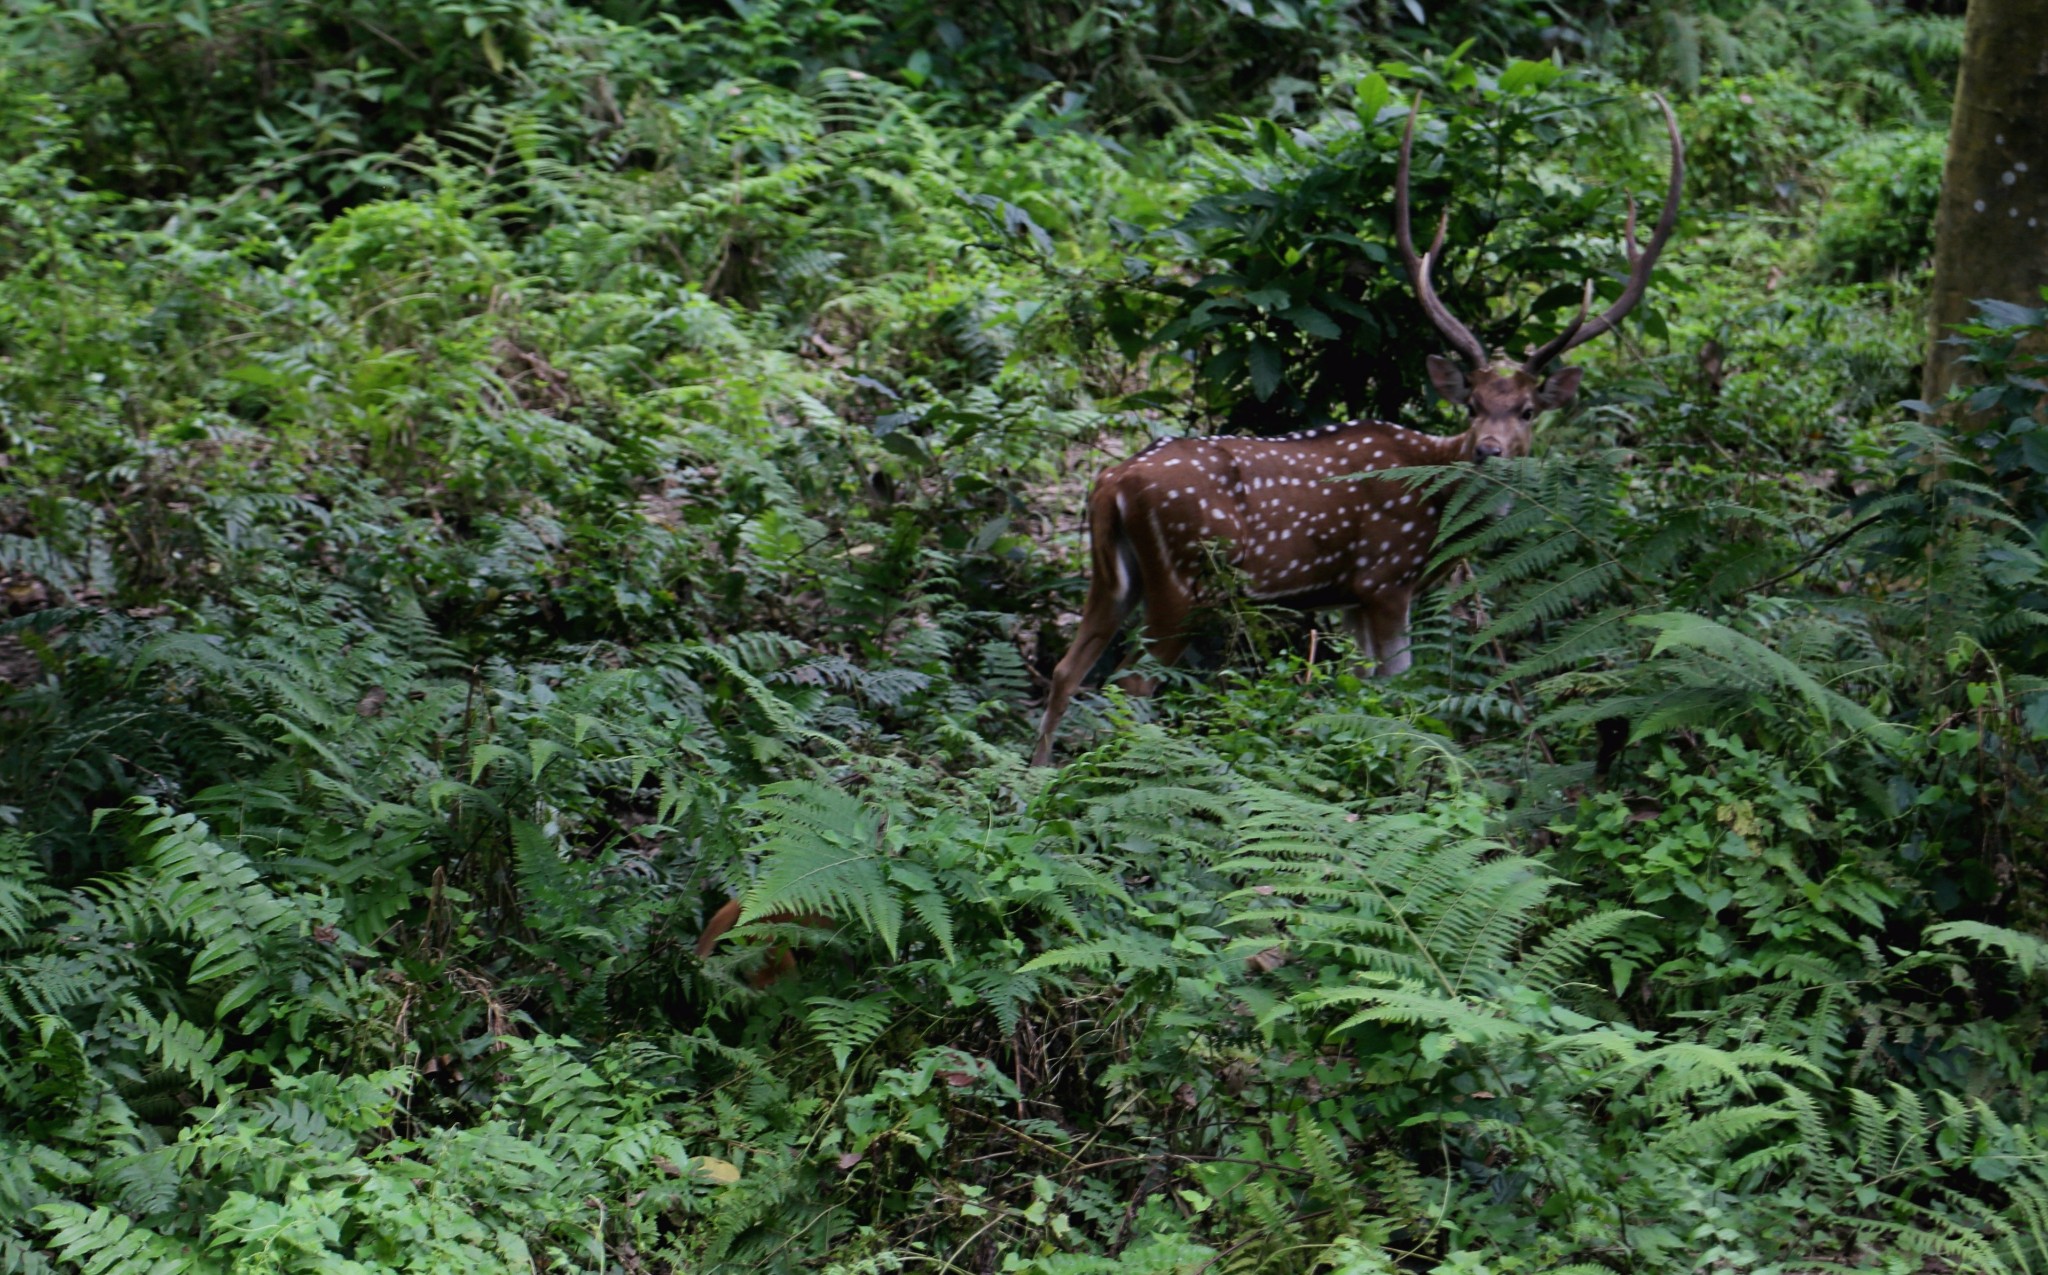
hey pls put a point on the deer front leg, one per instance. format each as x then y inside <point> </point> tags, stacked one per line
<point>1387,615</point>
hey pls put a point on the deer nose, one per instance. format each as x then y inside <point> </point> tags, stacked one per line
<point>1488,448</point>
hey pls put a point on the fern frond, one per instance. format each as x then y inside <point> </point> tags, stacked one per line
<point>2026,951</point>
<point>1558,954</point>
<point>821,852</point>
<point>99,1239</point>
<point>846,1027</point>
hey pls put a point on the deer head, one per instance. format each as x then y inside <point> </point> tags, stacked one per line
<point>1502,397</point>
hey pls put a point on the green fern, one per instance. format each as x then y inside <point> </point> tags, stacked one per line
<point>98,1239</point>
<point>822,851</point>
<point>2028,952</point>
<point>847,1027</point>
<point>217,897</point>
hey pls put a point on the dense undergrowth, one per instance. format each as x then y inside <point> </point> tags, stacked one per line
<point>483,482</point>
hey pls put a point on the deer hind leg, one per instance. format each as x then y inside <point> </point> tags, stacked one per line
<point>1360,629</point>
<point>1387,616</point>
<point>1110,598</point>
<point>1167,608</point>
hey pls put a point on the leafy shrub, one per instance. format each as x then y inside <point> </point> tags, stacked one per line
<point>1750,139</point>
<point>1875,61</point>
<point>1148,66</point>
<point>1883,194</point>
<point>1993,548</point>
<point>2007,409</point>
<point>316,101</point>
<point>1300,309</point>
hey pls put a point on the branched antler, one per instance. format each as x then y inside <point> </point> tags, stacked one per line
<point>1458,334</point>
<point>1641,259</point>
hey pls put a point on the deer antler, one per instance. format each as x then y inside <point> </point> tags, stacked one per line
<point>1641,258</point>
<point>1458,334</point>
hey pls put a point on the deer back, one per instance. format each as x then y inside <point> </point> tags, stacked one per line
<point>1299,515</point>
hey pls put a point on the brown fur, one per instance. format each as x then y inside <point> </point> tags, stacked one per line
<point>781,960</point>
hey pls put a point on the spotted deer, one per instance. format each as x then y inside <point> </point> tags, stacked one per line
<point>1299,515</point>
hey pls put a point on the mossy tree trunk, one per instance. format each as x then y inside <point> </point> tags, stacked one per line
<point>1991,236</point>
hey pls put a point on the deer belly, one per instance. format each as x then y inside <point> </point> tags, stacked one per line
<point>1316,541</point>
<point>1292,551</point>
<point>1290,565</point>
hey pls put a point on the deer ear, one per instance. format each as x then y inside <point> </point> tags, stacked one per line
<point>1448,378</point>
<point>1559,388</point>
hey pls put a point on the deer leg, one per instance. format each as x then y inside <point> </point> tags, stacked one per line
<point>1356,624</point>
<point>1109,604</point>
<point>1167,607</point>
<point>1387,614</point>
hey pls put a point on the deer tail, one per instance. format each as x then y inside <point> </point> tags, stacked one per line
<point>1112,557</point>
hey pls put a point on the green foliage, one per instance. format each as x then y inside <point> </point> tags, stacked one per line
<point>2006,414</point>
<point>1879,61</point>
<point>1300,309</point>
<point>1751,140</point>
<point>1880,213</point>
<point>322,1174</point>
<point>482,484</point>
<point>1152,65</point>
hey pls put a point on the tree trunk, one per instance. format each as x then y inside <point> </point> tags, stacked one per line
<point>1991,236</point>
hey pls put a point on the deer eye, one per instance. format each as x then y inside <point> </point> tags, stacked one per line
<point>1528,413</point>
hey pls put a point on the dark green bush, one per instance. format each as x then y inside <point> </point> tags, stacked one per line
<point>1879,216</point>
<point>1300,309</point>
<point>1751,140</point>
